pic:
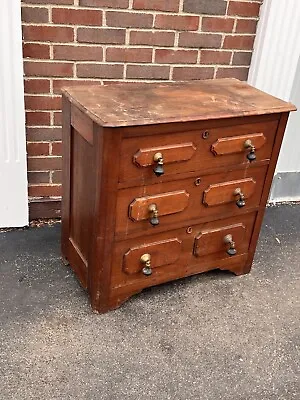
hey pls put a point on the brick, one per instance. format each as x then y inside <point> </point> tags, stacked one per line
<point>48,33</point>
<point>246,26</point>
<point>36,85</point>
<point>76,17</point>
<point>37,118</point>
<point>129,19</point>
<point>48,69</point>
<point>239,42</point>
<point>105,3</point>
<point>58,84</point>
<point>78,53</point>
<point>44,190</point>
<point>147,72</point>
<point>216,24</point>
<point>200,40</point>
<point>37,149</point>
<point>43,134</point>
<point>57,118</point>
<point>138,55</point>
<point>58,2</point>
<point>156,5</point>
<point>100,70</point>
<point>104,36</point>
<point>57,176</point>
<point>150,38</point>
<point>42,103</point>
<point>238,73</point>
<point>35,14</point>
<point>38,177</point>
<point>177,22</point>
<point>192,73</point>
<point>34,50</point>
<point>44,163</point>
<point>215,57</point>
<point>214,7</point>
<point>165,56</point>
<point>242,58</point>
<point>57,148</point>
<point>243,9</point>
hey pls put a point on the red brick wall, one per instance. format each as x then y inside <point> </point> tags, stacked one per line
<point>104,41</point>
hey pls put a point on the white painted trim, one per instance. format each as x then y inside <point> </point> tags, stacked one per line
<point>275,69</point>
<point>13,173</point>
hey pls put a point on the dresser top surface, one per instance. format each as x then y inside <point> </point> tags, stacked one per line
<point>118,105</point>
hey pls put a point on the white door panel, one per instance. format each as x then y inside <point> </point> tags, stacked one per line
<point>13,174</point>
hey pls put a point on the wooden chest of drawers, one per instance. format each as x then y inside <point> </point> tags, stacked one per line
<point>162,181</point>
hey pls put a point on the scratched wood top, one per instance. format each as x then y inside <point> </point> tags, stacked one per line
<point>153,103</point>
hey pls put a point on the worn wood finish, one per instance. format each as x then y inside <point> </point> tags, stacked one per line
<point>203,159</point>
<point>168,102</point>
<point>110,137</point>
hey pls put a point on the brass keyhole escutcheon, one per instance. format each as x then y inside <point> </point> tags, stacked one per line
<point>205,134</point>
<point>189,230</point>
<point>197,182</point>
<point>146,261</point>
<point>159,167</point>
<point>228,240</point>
<point>241,200</point>
<point>153,214</point>
<point>251,155</point>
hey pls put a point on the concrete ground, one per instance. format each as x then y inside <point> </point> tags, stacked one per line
<point>208,337</point>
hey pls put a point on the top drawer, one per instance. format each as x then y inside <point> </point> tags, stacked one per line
<point>198,150</point>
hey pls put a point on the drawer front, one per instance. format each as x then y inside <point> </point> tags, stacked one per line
<point>177,253</point>
<point>168,205</point>
<point>200,150</point>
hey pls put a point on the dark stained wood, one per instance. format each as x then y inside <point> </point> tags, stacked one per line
<point>172,153</point>
<point>110,136</point>
<point>203,159</point>
<point>237,144</point>
<point>224,192</point>
<point>162,253</point>
<point>168,102</point>
<point>166,203</point>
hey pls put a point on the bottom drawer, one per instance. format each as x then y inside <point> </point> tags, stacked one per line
<point>143,262</point>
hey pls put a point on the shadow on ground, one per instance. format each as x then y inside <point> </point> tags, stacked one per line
<point>208,337</point>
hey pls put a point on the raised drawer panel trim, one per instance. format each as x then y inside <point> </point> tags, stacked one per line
<point>236,144</point>
<point>222,193</point>
<point>162,253</point>
<point>167,203</point>
<point>171,153</point>
<point>211,241</point>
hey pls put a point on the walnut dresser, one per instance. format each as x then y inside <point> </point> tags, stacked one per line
<point>162,181</point>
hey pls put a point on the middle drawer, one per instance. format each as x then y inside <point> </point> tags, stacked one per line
<point>166,205</point>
